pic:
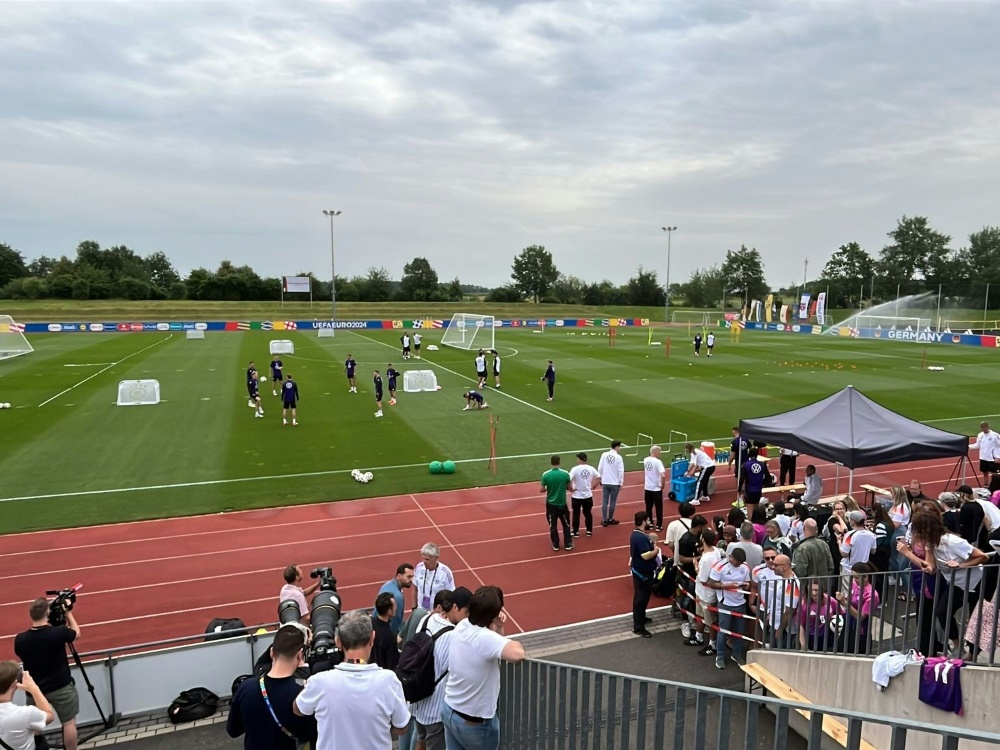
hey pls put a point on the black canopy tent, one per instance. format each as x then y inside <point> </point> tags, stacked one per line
<point>849,429</point>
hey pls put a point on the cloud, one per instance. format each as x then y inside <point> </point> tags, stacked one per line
<point>464,131</point>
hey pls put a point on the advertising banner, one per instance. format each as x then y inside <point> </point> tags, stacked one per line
<point>804,306</point>
<point>299,284</point>
<point>768,306</point>
<point>821,308</point>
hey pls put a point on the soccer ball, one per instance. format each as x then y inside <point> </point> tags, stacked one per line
<point>4,406</point>
<point>368,476</point>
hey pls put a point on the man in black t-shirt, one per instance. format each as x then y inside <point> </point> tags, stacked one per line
<point>385,651</point>
<point>688,552</point>
<point>264,714</point>
<point>42,649</point>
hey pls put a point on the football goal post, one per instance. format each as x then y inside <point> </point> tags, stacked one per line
<point>892,321</point>
<point>468,331</point>
<point>12,340</point>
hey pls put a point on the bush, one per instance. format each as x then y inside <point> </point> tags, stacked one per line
<point>507,293</point>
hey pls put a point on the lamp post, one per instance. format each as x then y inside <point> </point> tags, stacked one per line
<point>666,308</point>
<point>333,267</point>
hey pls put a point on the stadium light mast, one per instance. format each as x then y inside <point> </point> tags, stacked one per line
<point>666,306</point>
<point>333,266</point>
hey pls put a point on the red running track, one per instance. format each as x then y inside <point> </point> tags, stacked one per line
<point>153,580</point>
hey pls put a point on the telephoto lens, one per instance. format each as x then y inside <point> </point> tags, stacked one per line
<point>288,611</point>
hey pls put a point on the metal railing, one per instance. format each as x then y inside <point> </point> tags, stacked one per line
<point>549,706</point>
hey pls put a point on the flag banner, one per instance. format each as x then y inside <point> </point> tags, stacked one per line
<point>821,308</point>
<point>769,304</point>
<point>292,284</point>
<point>784,314</point>
<point>804,306</point>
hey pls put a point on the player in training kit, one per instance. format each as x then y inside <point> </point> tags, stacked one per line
<point>391,374</point>
<point>550,379</point>
<point>276,378</point>
<point>697,345</point>
<point>474,397</point>
<point>289,400</point>
<point>710,343</point>
<point>405,341</point>
<point>349,366</point>
<point>481,368</point>
<point>377,380</point>
<point>253,386</point>
<point>416,345</point>
<point>496,367</point>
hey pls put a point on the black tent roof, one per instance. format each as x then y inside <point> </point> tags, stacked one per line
<point>850,429</point>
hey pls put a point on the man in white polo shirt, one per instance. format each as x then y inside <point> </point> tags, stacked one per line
<point>732,578</point>
<point>357,705</point>
<point>469,712</point>
<point>612,470</point>
<point>703,465</point>
<point>988,445</point>
<point>655,473</point>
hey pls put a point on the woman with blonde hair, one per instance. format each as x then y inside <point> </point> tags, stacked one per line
<point>900,512</point>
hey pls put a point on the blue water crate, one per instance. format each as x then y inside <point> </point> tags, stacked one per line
<point>683,488</point>
<point>679,468</point>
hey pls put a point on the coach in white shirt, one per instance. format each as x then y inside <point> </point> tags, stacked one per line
<point>430,576</point>
<point>655,473</point>
<point>988,444</point>
<point>612,472</point>
<point>469,713</point>
<point>583,479</point>
<point>704,466</point>
<point>357,705</point>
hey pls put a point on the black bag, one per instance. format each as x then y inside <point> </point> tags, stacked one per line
<point>665,580</point>
<point>225,627</point>
<point>239,681</point>
<point>191,705</point>
<point>416,664</point>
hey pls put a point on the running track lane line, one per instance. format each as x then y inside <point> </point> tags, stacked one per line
<point>502,393</point>
<point>457,553</point>
<point>103,370</point>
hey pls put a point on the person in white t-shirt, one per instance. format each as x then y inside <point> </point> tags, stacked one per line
<point>706,597</point>
<point>583,479</point>
<point>20,724</point>
<point>655,473</point>
<point>677,528</point>
<point>469,712</point>
<point>988,445</point>
<point>731,578</point>
<point>292,590</point>
<point>612,471</point>
<point>704,466</point>
<point>858,543</point>
<point>481,368</point>
<point>710,342</point>
<point>357,705</point>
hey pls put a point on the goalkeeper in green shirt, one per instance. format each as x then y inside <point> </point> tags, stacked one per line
<point>554,484</point>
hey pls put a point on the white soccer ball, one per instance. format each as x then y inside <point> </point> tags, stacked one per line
<point>369,476</point>
<point>6,406</point>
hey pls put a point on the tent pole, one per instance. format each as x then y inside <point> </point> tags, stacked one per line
<point>836,481</point>
<point>850,484</point>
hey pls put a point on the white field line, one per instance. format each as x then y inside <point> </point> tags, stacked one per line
<point>92,364</point>
<point>502,393</point>
<point>91,377</point>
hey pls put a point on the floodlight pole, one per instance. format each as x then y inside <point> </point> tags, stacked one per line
<point>666,304</point>
<point>333,267</point>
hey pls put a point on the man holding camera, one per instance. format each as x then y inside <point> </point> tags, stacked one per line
<point>293,590</point>
<point>43,651</point>
<point>20,724</point>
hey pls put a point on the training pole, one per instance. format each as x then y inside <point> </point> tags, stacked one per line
<point>611,336</point>
<point>666,348</point>
<point>923,359</point>
<point>491,464</point>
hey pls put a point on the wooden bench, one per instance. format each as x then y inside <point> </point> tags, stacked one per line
<point>783,488</point>
<point>871,491</point>
<point>832,726</point>
<point>831,499</point>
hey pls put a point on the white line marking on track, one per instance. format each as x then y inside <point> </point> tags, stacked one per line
<point>91,377</point>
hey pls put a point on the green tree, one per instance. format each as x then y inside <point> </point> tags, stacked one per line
<point>129,288</point>
<point>61,286</point>
<point>33,287</point>
<point>419,282</point>
<point>453,291</point>
<point>506,293</point>
<point>375,286</point>
<point>160,271</point>
<point>705,288</point>
<point>11,264</point>
<point>848,273</point>
<point>41,266</point>
<point>915,249</point>
<point>534,272</point>
<point>644,289</point>
<point>568,290</point>
<point>982,256</point>
<point>743,271</point>
<point>81,289</point>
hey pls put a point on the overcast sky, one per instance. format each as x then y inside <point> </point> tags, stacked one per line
<point>466,131</point>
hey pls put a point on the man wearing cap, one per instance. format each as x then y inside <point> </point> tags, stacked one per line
<point>612,471</point>
<point>988,445</point>
<point>857,544</point>
<point>583,479</point>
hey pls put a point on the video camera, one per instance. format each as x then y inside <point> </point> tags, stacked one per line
<point>324,616</point>
<point>63,603</point>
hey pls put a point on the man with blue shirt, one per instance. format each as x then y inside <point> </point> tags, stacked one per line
<point>697,345</point>
<point>756,476</point>
<point>349,366</point>
<point>474,397</point>
<point>251,386</point>
<point>391,373</point>
<point>642,561</point>
<point>254,387</point>
<point>402,580</point>
<point>550,379</point>
<point>289,400</point>
<point>737,457</point>
<point>276,376</point>
<point>377,382</point>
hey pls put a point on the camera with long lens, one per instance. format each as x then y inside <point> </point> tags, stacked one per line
<point>63,603</point>
<point>324,616</point>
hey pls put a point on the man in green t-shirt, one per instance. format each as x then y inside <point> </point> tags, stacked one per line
<point>554,484</point>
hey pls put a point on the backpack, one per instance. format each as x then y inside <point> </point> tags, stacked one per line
<point>416,664</point>
<point>665,579</point>
<point>225,627</point>
<point>191,705</point>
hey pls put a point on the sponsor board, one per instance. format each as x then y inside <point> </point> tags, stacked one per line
<point>162,326</point>
<point>201,326</point>
<point>338,324</point>
<point>96,327</point>
<point>150,327</point>
<point>55,327</point>
<point>177,326</point>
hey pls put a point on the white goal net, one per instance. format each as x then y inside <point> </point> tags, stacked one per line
<point>468,331</point>
<point>12,340</point>
<point>138,392</point>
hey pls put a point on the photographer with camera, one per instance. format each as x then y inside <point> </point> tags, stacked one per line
<point>20,724</point>
<point>42,649</point>
<point>292,590</point>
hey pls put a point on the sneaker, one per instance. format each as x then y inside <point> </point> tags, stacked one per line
<point>739,660</point>
<point>692,642</point>
<point>576,534</point>
<point>739,504</point>
<point>258,415</point>
<point>569,546</point>
<point>284,421</point>
<point>659,528</point>
<point>720,663</point>
<point>604,523</point>
<point>613,522</point>
<point>590,533</point>
<point>686,630</point>
<point>295,423</point>
<point>274,393</point>
<point>378,413</point>
<point>485,405</point>
<point>695,502</point>
<point>643,632</point>
<point>392,402</point>
<point>555,547</point>
<point>549,399</point>
<point>704,499</point>
<point>251,403</point>
<point>709,650</point>
<point>466,408</point>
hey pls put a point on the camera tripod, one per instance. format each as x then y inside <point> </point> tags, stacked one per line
<point>107,722</point>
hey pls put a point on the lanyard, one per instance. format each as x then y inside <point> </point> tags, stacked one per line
<point>267,701</point>
<point>425,588</point>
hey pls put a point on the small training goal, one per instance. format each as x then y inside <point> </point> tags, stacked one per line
<point>194,334</point>
<point>282,346</point>
<point>138,392</point>
<point>415,381</point>
<point>12,340</point>
<point>468,331</point>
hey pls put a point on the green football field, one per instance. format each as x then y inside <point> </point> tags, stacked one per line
<point>69,456</point>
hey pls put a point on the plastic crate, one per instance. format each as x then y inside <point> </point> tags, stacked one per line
<point>683,488</point>
<point>679,468</point>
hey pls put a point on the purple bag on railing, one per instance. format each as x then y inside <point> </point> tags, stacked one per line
<point>941,684</point>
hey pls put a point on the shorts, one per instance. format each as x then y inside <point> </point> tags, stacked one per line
<point>350,374</point>
<point>392,385</point>
<point>251,391</point>
<point>988,466</point>
<point>378,395</point>
<point>276,378</point>
<point>254,395</point>
<point>288,404</point>
<point>417,347</point>
<point>706,614</point>
<point>65,702</point>
<point>481,373</point>
<point>406,350</point>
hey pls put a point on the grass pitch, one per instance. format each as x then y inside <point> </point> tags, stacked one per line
<point>69,456</point>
